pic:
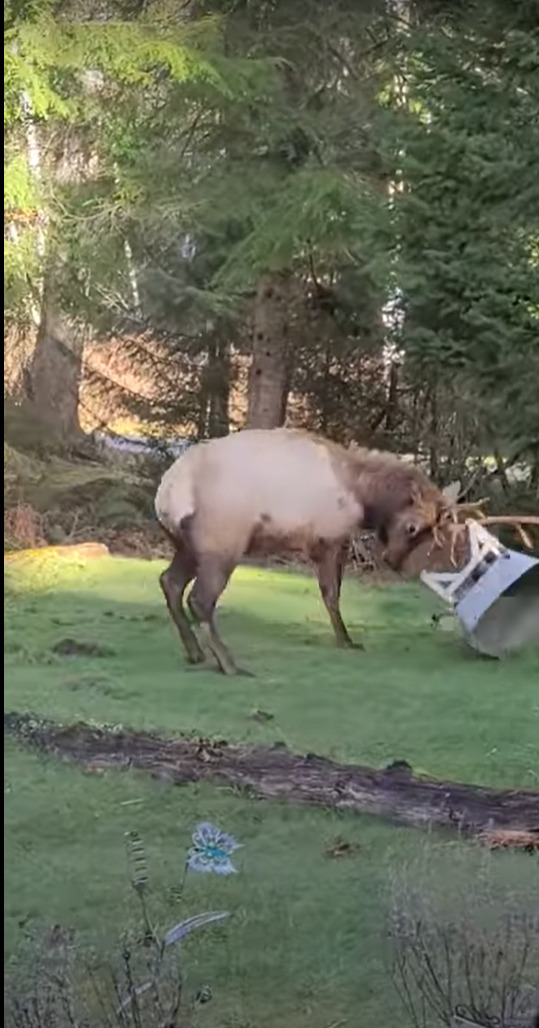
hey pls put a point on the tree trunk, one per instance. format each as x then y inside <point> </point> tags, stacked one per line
<point>269,377</point>
<point>534,473</point>
<point>219,371</point>
<point>19,347</point>
<point>203,400</point>
<point>392,406</point>
<point>56,371</point>
<point>213,418</point>
<point>434,440</point>
<point>276,773</point>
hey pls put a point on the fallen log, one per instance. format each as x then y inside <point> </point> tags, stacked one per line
<point>276,773</point>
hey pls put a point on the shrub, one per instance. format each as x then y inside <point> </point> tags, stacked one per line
<point>472,953</point>
<point>55,984</point>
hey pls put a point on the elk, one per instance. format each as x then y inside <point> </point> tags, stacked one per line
<point>267,491</point>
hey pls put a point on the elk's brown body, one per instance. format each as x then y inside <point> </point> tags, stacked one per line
<point>281,491</point>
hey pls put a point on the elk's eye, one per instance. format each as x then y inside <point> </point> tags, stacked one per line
<point>412,530</point>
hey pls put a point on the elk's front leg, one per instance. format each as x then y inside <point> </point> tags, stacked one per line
<point>330,561</point>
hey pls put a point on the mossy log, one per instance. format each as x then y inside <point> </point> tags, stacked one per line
<point>276,773</point>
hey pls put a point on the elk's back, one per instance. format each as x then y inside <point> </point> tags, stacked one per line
<point>264,485</point>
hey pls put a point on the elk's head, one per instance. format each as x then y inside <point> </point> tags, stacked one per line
<point>420,519</point>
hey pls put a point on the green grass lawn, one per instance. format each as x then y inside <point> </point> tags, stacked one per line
<point>306,944</point>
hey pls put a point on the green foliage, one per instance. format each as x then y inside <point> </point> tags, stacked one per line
<point>62,77</point>
<point>40,52</point>
<point>22,265</point>
<point>293,181</point>
<point>316,212</point>
<point>22,261</point>
<point>21,189</point>
<point>466,221</point>
<point>184,157</point>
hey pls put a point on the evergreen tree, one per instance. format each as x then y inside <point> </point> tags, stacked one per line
<point>66,67</point>
<point>466,223</point>
<point>345,196</point>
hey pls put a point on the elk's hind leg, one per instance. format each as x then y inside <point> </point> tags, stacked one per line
<point>174,582</point>
<point>330,563</point>
<point>213,573</point>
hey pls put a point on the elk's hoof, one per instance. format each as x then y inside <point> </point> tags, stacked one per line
<point>235,672</point>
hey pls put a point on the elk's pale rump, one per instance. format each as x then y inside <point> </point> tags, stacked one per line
<point>281,491</point>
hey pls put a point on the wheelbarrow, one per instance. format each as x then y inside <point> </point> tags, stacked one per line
<point>495,595</point>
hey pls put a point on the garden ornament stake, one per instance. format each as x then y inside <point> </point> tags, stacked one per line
<point>495,595</point>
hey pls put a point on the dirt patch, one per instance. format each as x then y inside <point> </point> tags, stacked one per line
<point>276,773</point>
<point>341,848</point>
<point>79,648</point>
<point>261,716</point>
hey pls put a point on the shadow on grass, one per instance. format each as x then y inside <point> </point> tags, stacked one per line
<point>258,624</point>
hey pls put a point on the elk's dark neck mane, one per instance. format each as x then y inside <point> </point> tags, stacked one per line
<point>382,482</point>
<point>385,485</point>
<point>377,461</point>
<point>382,468</point>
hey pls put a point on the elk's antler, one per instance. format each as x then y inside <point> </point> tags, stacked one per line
<point>474,508</point>
<point>515,522</point>
<point>458,528</point>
